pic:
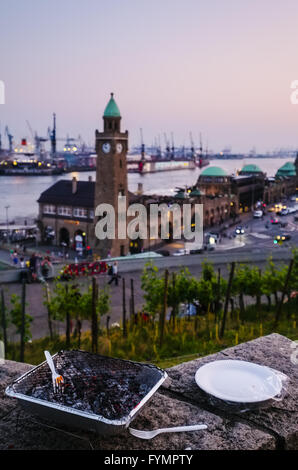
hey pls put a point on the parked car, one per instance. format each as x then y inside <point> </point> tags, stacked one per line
<point>181,252</point>
<point>213,235</point>
<point>282,237</point>
<point>196,251</point>
<point>239,230</point>
<point>284,211</point>
<point>163,252</point>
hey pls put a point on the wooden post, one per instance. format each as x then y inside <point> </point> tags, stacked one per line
<point>124,309</point>
<point>48,296</point>
<point>3,320</point>
<point>108,325</point>
<point>67,314</point>
<point>284,291</point>
<point>162,317</point>
<point>132,299</point>
<point>22,349</point>
<point>94,322</point>
<point>174,311</point>
<point>217,302</point>
<point>222,330</point>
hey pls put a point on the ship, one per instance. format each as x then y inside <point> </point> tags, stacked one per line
<point>170,159</point>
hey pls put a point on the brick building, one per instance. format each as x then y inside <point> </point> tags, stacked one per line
<point>66,213</point>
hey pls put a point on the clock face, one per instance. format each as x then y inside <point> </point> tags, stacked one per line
<point>106,147</point>
<point>119,148</point>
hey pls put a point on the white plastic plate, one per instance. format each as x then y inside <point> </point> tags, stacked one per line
<point>238,381</point>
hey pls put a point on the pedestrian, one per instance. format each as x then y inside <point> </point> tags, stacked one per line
<point>15,258</point>
<point>33,266</point>
<point>114,274</point>
<point>24,270</point>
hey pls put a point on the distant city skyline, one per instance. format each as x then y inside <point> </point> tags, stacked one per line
<point>220,68</point>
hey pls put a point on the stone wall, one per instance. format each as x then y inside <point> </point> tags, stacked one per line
<point>178,402</point>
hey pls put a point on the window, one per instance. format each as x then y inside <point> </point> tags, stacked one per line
<point>91,214</point>
<point>49,209</point>
<point>64,211</point>
<point>80,212</point>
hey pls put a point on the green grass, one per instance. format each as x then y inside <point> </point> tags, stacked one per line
<point>184,342</point>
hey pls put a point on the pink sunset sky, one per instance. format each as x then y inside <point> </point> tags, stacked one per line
<point>219,67</point>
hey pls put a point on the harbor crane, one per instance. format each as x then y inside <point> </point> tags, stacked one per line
<point>192,147</point>
<point>168,150</point>
<point>54,139</point>
<point>173,147</point>
<point>201,146</point>
<point>142,146</point>
<point>39,141</point>
<point>10,139</point>
<point>52,136</point>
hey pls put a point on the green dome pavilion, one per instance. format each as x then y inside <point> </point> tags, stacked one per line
<point>251,168</point>
<point>288,169</point>
<point>213,171</point>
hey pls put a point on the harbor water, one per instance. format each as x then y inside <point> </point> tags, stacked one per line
<point>21,193</point>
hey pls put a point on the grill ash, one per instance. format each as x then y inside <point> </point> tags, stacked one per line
<point>94,384</point>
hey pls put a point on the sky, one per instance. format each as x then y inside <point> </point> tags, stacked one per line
<point>222,68</point>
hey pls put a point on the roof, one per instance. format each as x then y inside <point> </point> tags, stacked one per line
<point>112,109</point>
<point>213,171</point>
<point>251,168</point>
<point>180,195</point>
<point>288,169</point>
<point>195,192</point>
<point>61,193</point>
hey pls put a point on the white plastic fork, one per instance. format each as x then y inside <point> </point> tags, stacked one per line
<point>151,434</point>
<point>57,379</point>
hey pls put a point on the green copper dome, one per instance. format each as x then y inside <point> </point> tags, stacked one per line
<point>251,168</point>
<point>195,192</point>
<point>180,195</point>
<point>213,171</point>
<point>112,109</point>
<point>288,169</point>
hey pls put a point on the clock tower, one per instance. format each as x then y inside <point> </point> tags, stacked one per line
<point>111,175</point>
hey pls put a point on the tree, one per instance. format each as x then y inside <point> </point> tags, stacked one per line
<point>20,320</point>
<point>239,285</point>
<point>153,287</point>
<point>101,305</point>
<point>64,305</point>
<point>273,279</point>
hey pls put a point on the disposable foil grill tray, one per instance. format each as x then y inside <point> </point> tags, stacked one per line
<point>101,393</point>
